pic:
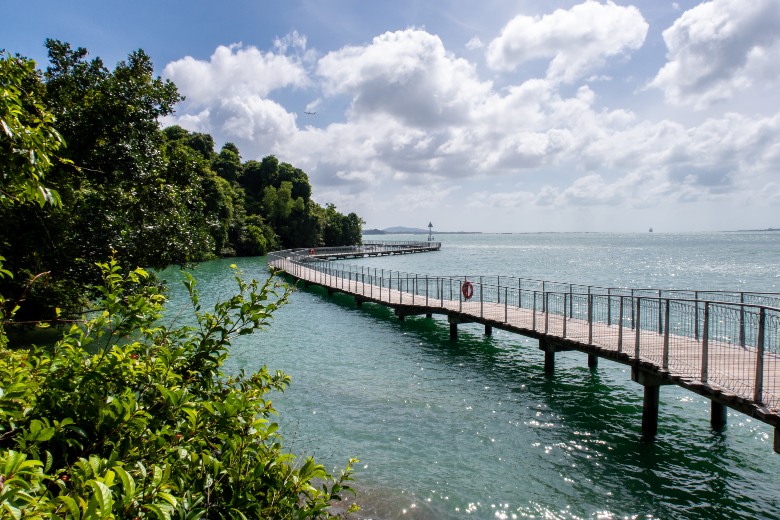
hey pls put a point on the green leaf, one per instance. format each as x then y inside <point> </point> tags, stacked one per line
<point>128,484</point>
<point>163,511</point>
<point>168,498</point>
<point>73,508</point>
<point>13,511</point>
<point>102,494</point>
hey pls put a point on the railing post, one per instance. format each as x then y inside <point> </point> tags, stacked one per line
<point>519,293</point>
<point>506,305</point>
<point>481,300</point>
<point>633,311</point>
<point>638,317</point>
<point>742,319</point>
<point>758,396</point>
<point>571,304</point>
<point>620,325</point>
<point>546,300</point>
<point>660,318</point>
<point>696,314</point>
<point>705,344</point>
<point>498,288</point>
<point>426,290</point>
<point>381,284</point>
<point>590,319</point>
<point>564,310</point>
<point>460,297</point>
<point>665,361</point>
<point>533,319</point>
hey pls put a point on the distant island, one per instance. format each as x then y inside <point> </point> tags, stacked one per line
<point>400,230</point>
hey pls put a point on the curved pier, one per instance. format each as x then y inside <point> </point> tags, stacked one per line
<point>721,345</point>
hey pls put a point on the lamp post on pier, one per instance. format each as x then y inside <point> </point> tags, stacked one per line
<point>430,232</point>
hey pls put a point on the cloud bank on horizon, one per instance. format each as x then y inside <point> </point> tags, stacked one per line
<point>590,116</point>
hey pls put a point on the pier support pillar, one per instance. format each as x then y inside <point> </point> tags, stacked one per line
<point>777,439</point>
<point>650,410</point>
<point>549,355</point>
<point>549,361</point>
<point>358,303</point>
<point>454,320</point>
<point>593,361</point>
<point>400,315</point>
<point>488,330</point>
<point>549,346</point>
<point>718,415</point>
<point>429,315</point>
<point>652,383</point>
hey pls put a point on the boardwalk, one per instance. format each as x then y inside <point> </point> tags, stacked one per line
<point>721,345</point>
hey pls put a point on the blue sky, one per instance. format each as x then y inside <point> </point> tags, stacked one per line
<point>497,115</point>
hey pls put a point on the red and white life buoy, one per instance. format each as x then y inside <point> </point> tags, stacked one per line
<point>311,251</point>
<point>467,289</point>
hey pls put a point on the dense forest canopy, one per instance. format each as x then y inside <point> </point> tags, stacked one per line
<point>130,189</point>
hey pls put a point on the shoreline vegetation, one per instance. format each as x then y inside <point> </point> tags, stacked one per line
<point>129,414</point>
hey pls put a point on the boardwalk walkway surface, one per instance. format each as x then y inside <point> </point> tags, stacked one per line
<point>722,345</point>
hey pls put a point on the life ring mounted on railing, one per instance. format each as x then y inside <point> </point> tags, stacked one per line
<point>311,252</point>
<point>467,289</point>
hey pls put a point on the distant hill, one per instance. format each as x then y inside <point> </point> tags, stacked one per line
<point>405,230</point>
<point>401,230</point>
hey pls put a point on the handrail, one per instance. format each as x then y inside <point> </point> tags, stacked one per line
<point>771,299</point>
<point>731,345</point>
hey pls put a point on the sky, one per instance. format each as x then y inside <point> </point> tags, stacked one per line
<point>490,115</point>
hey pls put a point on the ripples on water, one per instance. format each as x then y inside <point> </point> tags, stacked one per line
<point>475,429</point>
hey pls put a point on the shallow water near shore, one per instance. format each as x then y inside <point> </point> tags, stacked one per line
<point>474,428</point>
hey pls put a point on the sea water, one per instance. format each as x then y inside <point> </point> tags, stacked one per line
<point>475,429</point>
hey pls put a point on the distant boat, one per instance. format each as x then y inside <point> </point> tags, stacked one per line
<point>651,230</point>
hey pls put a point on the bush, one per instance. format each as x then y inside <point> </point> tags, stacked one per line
<point>128,418</point>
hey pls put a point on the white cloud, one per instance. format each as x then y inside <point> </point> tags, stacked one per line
<point>474,43</point>
<point>720,48</point>
<point>577,41</point>
<point>423,132</point>
<point>407,75</point>
<point>234,70</point>
<point>228,95</point>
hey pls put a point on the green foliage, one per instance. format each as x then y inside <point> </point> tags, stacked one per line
<point>129,189</point>
<point>340,229</point>
<point>228,163</point>
<point>127,418</point>
<point>28,139</point>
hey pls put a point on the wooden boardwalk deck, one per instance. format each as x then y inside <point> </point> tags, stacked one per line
<point>715,357</point>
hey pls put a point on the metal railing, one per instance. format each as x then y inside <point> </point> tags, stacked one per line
<point>727,340</point>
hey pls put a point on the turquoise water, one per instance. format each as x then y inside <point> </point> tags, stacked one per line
<point>475,429</point>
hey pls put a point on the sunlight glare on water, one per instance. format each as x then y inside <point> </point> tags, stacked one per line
<point>474,428</point>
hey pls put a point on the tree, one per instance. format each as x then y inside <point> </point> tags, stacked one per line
<point>259,175</point>
<point>28,147</point>
<point>28,140</point>
<point>339,229</point>
<point>228,163</point>
<point>122,198</point>
<point>126,418</point>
